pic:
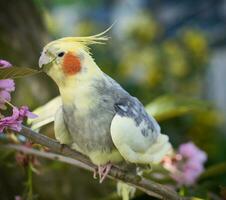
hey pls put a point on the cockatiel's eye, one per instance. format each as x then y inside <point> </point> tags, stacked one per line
<point>61,54</point>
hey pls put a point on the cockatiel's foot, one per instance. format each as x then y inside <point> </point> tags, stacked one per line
<point>95,172</point>
<point>143,169</point>
<point>103,171</point>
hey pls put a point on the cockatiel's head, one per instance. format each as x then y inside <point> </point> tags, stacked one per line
<point>69,58</point>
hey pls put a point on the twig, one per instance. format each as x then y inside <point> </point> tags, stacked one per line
<point>54,156</point>
<point>149,187</point>
<point>49,155</point>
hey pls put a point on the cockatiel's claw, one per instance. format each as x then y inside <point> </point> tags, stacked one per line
<point>143,169</point>
<point>95,172</point>
<point>103,171</point>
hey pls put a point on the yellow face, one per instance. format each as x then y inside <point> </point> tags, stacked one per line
<point>69,57</point>
<point>61,60</point>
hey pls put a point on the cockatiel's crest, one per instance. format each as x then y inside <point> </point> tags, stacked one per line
<point>86,41</point>
<point>82,42</point>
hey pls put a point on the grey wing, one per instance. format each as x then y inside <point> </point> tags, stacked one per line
<point>137,135</point>
<point>132,108</point>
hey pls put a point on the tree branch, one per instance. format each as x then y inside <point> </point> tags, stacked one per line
<point>73,157</point>
<point>49,155</point>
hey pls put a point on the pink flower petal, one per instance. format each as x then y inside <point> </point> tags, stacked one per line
<point>7,84</point>
<point>4,64</point>
<point>14,122</point>
<point>4,95</point>
<point>189,150</point>
<point>185,171</point>
<point>24,112</point>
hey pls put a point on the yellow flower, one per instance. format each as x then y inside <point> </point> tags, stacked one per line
<point>196,43</point>
<point>176,59</point>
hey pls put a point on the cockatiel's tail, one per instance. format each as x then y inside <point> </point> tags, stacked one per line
<point>98,117</point>
<point>46,114</point>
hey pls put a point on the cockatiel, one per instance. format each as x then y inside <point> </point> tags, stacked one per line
<point>98,117</point>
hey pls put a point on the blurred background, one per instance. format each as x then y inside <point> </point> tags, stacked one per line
<point>169,54</point>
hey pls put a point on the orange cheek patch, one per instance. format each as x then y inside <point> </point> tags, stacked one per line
<point>71,64</point>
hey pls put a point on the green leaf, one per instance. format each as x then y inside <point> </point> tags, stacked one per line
<point>17,72</point>
<point>196,198</point>
<point>213,171</point>
<point>166,107</point>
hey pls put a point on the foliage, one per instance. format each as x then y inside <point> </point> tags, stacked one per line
<point>16,72</point>
<point>166,107</point>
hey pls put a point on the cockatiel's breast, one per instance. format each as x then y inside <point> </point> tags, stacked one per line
<point>88,120</point>
<point>109,125</point>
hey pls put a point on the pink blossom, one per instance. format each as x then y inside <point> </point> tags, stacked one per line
<point>17,197</point>
<point>190,151</point>
<point>4,64</point>
<point>6,86</point>
<point>186,166</point>
<point>24,112</point>
<point>14,122</point>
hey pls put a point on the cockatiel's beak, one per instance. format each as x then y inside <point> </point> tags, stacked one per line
<point>44,60</point>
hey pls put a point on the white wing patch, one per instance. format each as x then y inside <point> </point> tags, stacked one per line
<point>133,145</point>
<point>46,113</point>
